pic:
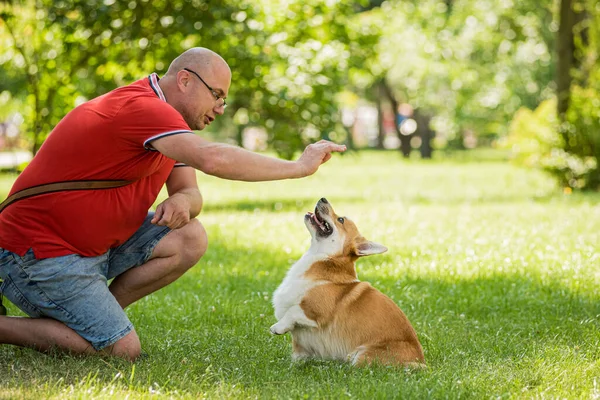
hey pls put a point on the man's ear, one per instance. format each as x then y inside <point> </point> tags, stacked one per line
<point>182,79</point>
<point>369,248</point>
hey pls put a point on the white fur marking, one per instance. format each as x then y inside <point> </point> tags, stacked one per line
<point>295,286</point>
<point>294,317</point>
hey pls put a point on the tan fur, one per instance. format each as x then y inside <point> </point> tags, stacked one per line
<point>364,317</point>
<point>353,320</point>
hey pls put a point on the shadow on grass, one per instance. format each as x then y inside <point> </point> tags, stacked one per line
<point>211,327</point>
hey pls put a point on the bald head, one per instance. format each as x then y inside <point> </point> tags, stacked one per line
<point>196,85</point>
<point>199,59</point>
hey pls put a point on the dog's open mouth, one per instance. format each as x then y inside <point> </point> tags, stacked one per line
<point>322,226</point>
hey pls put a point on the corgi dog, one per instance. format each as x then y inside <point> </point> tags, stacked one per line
<point>329,312</point>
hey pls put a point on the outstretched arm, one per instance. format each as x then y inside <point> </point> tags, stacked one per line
<point>232,162</point>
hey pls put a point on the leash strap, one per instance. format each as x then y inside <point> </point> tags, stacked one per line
<point>61,186</point>
<point>2,308</point>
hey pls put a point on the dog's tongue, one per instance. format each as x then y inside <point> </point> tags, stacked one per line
<point>318,221</point>
<point>317,216</point>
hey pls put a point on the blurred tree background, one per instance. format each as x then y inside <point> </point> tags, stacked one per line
<point>418,76</point>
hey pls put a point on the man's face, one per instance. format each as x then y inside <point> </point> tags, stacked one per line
<point>207,97</point>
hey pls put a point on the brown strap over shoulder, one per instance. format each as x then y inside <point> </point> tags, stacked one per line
<point>62,186</point>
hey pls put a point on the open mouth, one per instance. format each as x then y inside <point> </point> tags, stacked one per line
<point>323,228</point>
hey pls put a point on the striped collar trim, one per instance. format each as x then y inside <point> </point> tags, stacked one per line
<point>147,144</point>
<point>153,79</point>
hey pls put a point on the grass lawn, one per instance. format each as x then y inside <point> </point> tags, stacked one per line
<point>498,271</point>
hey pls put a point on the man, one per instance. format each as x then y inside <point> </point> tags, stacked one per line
<point>59,249</point>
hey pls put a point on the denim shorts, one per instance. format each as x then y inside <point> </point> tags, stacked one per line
<point>73,289</point>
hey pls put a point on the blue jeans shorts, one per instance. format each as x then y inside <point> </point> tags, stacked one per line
<point>73,289</point>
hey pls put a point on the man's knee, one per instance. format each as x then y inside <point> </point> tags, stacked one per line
<point>194,243</point>
<point>185,246</point>
<point>128,347</point>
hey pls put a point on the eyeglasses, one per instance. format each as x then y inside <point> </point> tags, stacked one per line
<point>213,91</point>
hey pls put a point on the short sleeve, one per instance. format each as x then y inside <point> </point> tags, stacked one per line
<point>145,119</point>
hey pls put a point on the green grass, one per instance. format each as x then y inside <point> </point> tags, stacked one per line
<point>497,270</point>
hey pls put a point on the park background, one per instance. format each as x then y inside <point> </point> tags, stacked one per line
<point>474,136</point>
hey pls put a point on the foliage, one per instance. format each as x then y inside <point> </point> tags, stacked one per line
<point>581,128</point>
<point>31,43</point>
<point>535,141</point>
<point>470,63</point>
<point>306,53</point>
<point>289,58</point>
<point>72,51</point>
<point>474,63</point>
<point>570,149</point>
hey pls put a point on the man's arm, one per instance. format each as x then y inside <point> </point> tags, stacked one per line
<point>184,201</point>
<point>232,162</point>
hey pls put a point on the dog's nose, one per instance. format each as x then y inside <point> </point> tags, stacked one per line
<point>324,200</point>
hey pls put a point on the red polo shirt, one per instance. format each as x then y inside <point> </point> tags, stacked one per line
<point>106,138</point>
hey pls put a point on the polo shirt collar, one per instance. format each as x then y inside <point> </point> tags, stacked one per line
<point>153,79</point>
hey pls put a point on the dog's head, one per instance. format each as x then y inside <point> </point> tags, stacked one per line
<point>336,235</point>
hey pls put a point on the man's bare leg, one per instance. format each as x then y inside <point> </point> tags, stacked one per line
<point>46,334</point>
<point>42,334</point>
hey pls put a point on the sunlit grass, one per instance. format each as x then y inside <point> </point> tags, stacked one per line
<point>496,268</point>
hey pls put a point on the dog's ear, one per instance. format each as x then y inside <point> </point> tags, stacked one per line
<point>369,248</point>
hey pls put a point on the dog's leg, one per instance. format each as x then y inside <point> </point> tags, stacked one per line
<point>293,317</point>
<point>299,353</point>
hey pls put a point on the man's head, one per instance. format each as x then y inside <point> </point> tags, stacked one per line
<point>196,84</point>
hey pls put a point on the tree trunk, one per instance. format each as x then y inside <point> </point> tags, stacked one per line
<point>404,139</point>
<point>239,135</point>
<point>449,7</point>
<point>381,129</point>
<point>425,133</point>
<point>566,57</point>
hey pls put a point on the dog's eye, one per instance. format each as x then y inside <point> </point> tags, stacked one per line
<point>341,220</point>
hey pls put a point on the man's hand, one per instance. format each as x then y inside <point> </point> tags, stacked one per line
<point>174,212</point>
<point>316,154</point>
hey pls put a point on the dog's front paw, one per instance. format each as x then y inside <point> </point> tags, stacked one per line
<point>278,329</point>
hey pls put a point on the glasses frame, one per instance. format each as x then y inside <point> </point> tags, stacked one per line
<point>212,91</point>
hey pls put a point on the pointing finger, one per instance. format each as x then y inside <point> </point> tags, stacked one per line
<point>335,147</point>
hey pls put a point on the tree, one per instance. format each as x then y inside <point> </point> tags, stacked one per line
<point>288,62</point>
<point>472,64</point>
<point>565,45</point>
<point>71,51</point>
<point>562,135</point>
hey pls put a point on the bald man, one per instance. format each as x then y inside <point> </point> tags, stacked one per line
<point>59,249</point>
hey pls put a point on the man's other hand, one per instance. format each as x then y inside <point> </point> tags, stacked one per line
<point>174,212</point>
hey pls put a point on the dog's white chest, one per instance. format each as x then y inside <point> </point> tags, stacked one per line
<point>294,286</point>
